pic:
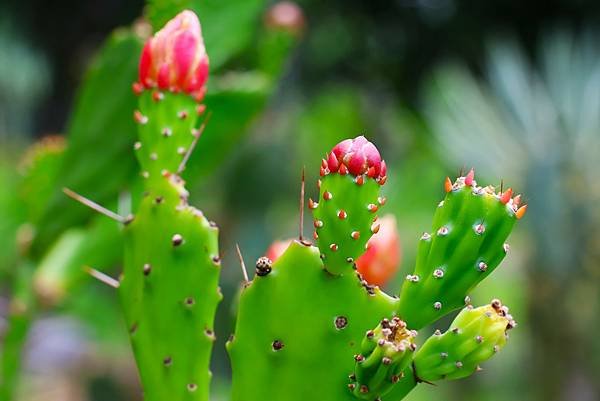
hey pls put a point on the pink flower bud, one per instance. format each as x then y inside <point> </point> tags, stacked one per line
<point>382,258</point>
<point>286,15</point>
<point>175,59</point>
<point>359,156</point>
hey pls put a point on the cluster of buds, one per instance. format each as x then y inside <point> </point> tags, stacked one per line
<point>175,58</point>
<point>506,197</point>
<point>385,352</point>
<point>357,157</point>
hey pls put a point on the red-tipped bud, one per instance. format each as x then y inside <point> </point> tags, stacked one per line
<point>448,185</point>
<point>175,58</point>
<point>505,197</point>
<point>382,258</point>
<point>517,201</point>
<point>470,177</point>
<point>356,156</point>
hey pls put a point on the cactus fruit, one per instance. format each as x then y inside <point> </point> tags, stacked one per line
<point>381,260</point>
<point>346,214</point>
<point>385,353</point>
<point>175,59</point>
<point>466,244</point>
<point>475,335</point>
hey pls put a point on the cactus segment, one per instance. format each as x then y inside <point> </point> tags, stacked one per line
<point>385,352</point>
<point>345,216</point>
<point>169,290</point>
<point>475,335</point>
<point>466,244</point>
<point>167,128</point>
<point>293,319</point>
<point>169,293</point>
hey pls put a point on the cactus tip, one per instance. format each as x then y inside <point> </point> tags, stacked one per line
<point>470,177</point>
<point>448,184</point>
<point>521,212</point>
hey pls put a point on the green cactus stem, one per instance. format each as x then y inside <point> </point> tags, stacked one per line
<point>346,214</point>
<point>466,244</point>
<point>169,293</point>
<point>475,335</point>
<point>385,352</point>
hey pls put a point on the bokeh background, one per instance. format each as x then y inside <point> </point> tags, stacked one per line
<point>509,87</point>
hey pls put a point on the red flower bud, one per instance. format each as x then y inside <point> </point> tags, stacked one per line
<point>359,156</point>
<point>175,59</point>
<point>382,258</point>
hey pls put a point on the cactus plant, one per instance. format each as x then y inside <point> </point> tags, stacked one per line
<point>311,304</point>
<point>171,265</point>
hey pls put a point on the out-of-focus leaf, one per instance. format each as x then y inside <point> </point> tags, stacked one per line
<point>101,132</point>
<point>62,268</point>
<point>11,214</point>
<point>159,12</point>
<point>227,26</point>
<point>40,167</point>
<point>234,101</point>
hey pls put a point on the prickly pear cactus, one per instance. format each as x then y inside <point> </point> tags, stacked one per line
<point>311,307</point>
<point>475,335</point>
<point>298,328</point>
<point>467,242</point>
<point>310,328</point>
<point>169,288</point>
<point>385,353</point>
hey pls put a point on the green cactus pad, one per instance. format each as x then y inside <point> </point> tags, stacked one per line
<point>385,352</point>
<point>169,292</point>
<point>167,127</point>
<point>344,219</point>
<point>298,329</point>
<point>475,336</point>
<point>466,244</point>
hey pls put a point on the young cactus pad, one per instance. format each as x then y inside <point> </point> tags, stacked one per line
<point>346,214</point>
<point>475,335</point>
<point>466,244</point>
<point>385,352</point>
<point>298,329</point>
<point>169,288</point>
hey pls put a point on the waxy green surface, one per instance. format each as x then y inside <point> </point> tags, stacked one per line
<point>297,304</point>
<point>354,200</point>
<point>169,293</point>
<point>466,244</point>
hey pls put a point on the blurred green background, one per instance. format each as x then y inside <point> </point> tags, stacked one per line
<point>511,88</point>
